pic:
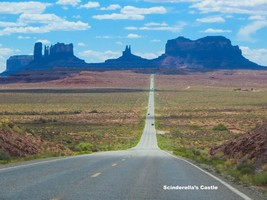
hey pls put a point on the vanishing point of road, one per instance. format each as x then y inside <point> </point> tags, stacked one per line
<point>144,172</point>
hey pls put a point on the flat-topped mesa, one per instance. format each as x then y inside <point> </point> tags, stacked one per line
<point>211,52</point>
<point>183,46</point>
<point>16,63</point>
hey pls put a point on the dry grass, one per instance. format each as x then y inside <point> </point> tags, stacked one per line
<point>87,79</point>
<point>199,111</point>
<point>101,110</point>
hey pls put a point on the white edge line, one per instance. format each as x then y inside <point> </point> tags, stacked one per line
<point>236,191</point>
<point>40,162</point>
<point>36,162</point>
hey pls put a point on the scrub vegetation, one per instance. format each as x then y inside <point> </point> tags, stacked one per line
<point>83,120</point>
<point>192,117</point>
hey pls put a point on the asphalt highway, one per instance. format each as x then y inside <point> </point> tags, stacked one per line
<point>144,172</point>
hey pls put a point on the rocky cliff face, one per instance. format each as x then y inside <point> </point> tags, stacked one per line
<point>252,145</point>
<point>58,50</point>
<point>58,55</point>
<point>212,52</point>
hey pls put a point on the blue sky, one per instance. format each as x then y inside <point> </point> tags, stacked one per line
<point>101,29</point>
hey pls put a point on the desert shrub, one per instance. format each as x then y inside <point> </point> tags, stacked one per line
<point>183,152</point>
<point>94,111</point>
<point>234,173</point>
<point>260,179</point>
<point>4,156</point>
<point>42,120</point>
<point>245,168</point>
<point>84,147</point>
<point>196,152</point>
<point>220,127</point>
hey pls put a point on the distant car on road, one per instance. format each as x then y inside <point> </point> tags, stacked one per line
<point>152,124</point>
<point>148,114</point>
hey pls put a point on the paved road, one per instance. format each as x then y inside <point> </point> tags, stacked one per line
<point>138,173</point>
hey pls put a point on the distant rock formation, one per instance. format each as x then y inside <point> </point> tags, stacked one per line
<point>55,56</point>
<point>212,52</point>
<point>128,60</point>
<point>38,51</point>
<point>58,50</point>
<point>16,63</point>
<point>58,55</point>
<point>181,55</point>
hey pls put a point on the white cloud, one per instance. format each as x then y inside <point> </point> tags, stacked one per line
<point>63,26</point>
<point>253,7</point>
<point>44,41</point>
<point>156,24</point>
<point>211,20</point>
<point>112,7</point>
<point>257,17</point>
<point>131,28</point>
<point>258,56</point>
<point>48,23</point>
<point>81,44</point>
<point>119,43</point>
<point>22,7</point>
<point>150,55</point>
<point>97,56</point>
<point>118,16</point>
<point>133,36</point>
<point>67,26</point>
<point>38,18</point>
<point>232,6</point>
<point>143,11</point>
<point>159,27</point>
<point>155,40</point>
<point>91,4</point>
<point>9,24</point>
<point>171,1</point>
<point>132,13</point>
<point>68,2</point>
<point>245,33</point>
<point>211,30</point>
<point>104,37</point>
<point>24,37</point>
<point>4,54</point>
<point>28,29</point>
<point>77,16</point>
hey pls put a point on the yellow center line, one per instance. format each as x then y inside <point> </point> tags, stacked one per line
<point>55,198</point>
<point>96,175</point>
<point>123,159</point>
<point>115,164</point>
